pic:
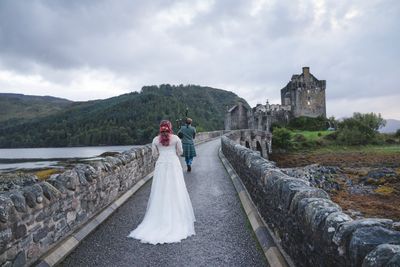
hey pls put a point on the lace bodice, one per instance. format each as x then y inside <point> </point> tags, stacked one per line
<point>174,147</point>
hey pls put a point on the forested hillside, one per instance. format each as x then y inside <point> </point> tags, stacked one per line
<point>18,106</point>
<point>123,120</point>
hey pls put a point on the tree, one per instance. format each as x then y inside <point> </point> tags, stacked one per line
<point>360,129</point>
<point>281,138</point>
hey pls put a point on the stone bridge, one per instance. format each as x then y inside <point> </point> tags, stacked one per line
<point>255,140</point>
<point>82,216</point>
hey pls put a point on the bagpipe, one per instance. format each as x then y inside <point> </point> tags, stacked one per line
<point>180,122</point>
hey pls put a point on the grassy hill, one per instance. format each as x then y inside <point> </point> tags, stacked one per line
<point>19,106</point>
<point>123,120</point>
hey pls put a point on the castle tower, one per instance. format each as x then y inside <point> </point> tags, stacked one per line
<point>305,94</point>
<point>237,117</point>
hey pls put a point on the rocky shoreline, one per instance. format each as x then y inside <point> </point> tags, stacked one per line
<point>362,191</point>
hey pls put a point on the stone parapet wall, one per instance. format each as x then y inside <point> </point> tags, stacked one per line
<point>36,217</point>
<point>311,228</point>
<point>204,136</point>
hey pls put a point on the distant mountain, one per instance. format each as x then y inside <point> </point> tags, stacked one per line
<point>391,126</point>
<point>18,106</point>
<point>123,120</point>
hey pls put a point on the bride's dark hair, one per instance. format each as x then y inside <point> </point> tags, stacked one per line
<point>165,132</point>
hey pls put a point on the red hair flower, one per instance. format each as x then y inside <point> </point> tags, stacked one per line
<point>165,132</point>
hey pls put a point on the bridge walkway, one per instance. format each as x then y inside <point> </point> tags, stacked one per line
<point>223,233</point>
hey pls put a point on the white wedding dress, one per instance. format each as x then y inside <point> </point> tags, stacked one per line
<point>169,215</point>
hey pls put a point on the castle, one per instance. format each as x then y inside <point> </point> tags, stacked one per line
<point>304,95</point>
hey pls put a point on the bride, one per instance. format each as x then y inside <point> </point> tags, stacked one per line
<point>169,215</point>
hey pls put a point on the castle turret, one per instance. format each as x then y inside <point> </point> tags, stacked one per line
<point>306,72</point>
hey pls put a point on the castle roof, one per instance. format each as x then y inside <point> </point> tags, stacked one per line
<point>232,108</point>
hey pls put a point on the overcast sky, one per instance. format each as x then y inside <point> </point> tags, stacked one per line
<point>86,49</point>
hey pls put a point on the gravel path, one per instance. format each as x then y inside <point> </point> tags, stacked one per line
<point>223,233</point>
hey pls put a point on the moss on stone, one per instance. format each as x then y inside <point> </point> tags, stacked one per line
<point>384,190</point>
<point>45,174</point>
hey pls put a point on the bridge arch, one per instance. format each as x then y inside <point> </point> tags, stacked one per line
<point>247,144</point>
<point>259,148</point>
<point>255,140</point>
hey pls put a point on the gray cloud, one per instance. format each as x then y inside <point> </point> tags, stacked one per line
<point>96,49</point>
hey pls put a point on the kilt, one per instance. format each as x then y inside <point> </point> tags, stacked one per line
<point>188,150</point>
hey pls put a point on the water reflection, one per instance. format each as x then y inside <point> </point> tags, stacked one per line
<point>59,152</point>
<point>37,158</point>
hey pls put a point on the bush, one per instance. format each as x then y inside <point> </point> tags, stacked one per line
<point>299,138</point>
<point>361,129</point>
<point>282,138</point>
<point>390,141</point>
<point>351,136</point>
<point>275,125</point>
<point>320,142</point>
<point>332,136</point>
<point>309,144</point>
<point>397,134</point>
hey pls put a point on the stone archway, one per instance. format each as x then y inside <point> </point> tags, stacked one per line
<point>259,148</point>
<point>247,144</point>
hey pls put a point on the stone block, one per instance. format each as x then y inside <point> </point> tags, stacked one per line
<point>69,179</point>
<point>18,200</point>
<point>33,251</point>
<point>333,223</point>
<point>19,230</point>
<point>12,253</point>
<point>286,188</point>
<point>37,190</point>
<point>71,216</point>
<point>309,192</point>
<point>366,239</point>
<point>319,218</point>
<point>40,234</point>
<point>5,238</point>
<point>383,255</point>
<point>5,208</point>
<point>59,185</point>
<point>49,191</point>
<point>80,171</point>
<point>343,236</point>
<point>30,197</point>
<point>320,205</point>
<point>20,260</point>
<point>271,176</point>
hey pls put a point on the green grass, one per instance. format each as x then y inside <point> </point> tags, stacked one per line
<point>326,146</point>
<point>381,149</point>
<point>312,135</point>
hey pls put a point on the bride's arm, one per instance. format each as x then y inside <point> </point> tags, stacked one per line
<point>179,149</point>
<point>154,148</point>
